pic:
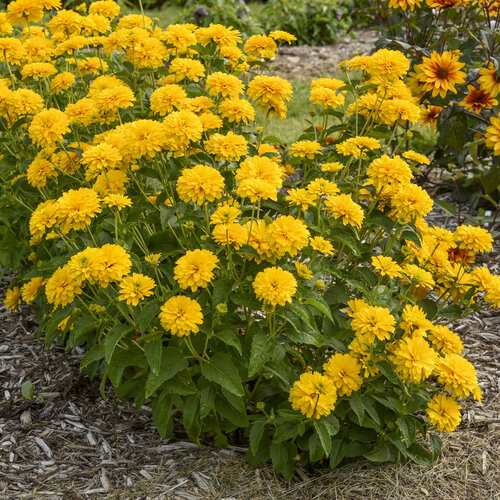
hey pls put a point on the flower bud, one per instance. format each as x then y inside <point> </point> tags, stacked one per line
<point>221,308</point>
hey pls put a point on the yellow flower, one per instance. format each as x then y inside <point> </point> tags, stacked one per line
<point>24,12</point>
<point>388,64</point>
<point>305,149</point>
<point>301,197</point>
<point>181,68</point>
<point>356,146</point>
<point>38,70</point>
<point>488,79</point>
<point>342,206</point>
<point>111,182</point>
<point>314,395</point>
<point>334,166</point>
<point>493,135</point>
<point>76,208</point>
<point>106,8</point>
<point>321,245</point>
<point>134,288</point>
<point>371,322</point>
<point>230,234</point>
<point>118,201</point>
<point>12,299</point>
<point>303,272</point>
<point>145,137</point>
<point>87,265</point>
<point>474,238</point>
<point>62,287</point>
<point>385,266</point>
<point>62,81</point>
<point>30,290</point>
<point>39,171</point>
<point>477,100</point>
<point>181,316</point>
<point>345,372</point>
<point>99,158</point>
<point>222,36</point>
<point>226,213</point>
<point>269,90</point>
<point>327,97</point>
<point>117,263</point>
<point>224,84</point>
<point>153,258</point>
<point>410,201</point>
<point>458,376</point>
<point>386,170</point>
<point>416,157</point>
<point>287,235</point>
<point>445,341</point>
<point>414,359</point>
<point>404,4</point>
<point>282,36</point>
<point>227,147</point>
<point>166,98</point>
<point>444,413</point>
<point>275,286</point>
<point>237,110</point>
<point>195,269</point>
<point>48,127</point>
<point>260,46</point>
<point>200,184</point>
<point>322,187</point>
<point>440,73</point>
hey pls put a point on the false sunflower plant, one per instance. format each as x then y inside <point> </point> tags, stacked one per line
<point>292,297</point>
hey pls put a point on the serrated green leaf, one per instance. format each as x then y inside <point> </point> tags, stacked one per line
<point>172,362</point>
<point>221,370</point>
<point>261,351</point>
<point>323,434</point>
<point>153,351</point>
<point>255,435</point>
<point>112,338</point>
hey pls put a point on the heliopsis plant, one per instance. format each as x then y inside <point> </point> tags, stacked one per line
<point>290,296</point>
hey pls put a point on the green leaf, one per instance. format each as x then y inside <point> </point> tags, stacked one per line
<point>336,294</point>
<point>436,445</point>
<point>230,337</point>
<point>450,209</point>
<point>221,370</point>
<point>95,353</point>
<point>190,411</point>
<point>255,436</point>
<point>149,311</point>
<point>28,390</point>
<point>356,404</point>
<point>323,434</point>
<point>162,411</point>
<point>337,452</point>
<point>279,456</point>
<point>207,400</point>
<point>291,318</point>
<point>379,454</point>
<point>221,290</point>
<point>153,351</point>
<point>112,338</point>
<point>406,431</point>
<point>284,432</point>
<point>172,362</point>
<point>261,351</point>
<point>321,306</point>
<point>316,450</point>
<point>332,424</point>
<point>452,312</point>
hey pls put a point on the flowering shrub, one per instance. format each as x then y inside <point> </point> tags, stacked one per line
<point>292,297</point>
<point>453,46</point>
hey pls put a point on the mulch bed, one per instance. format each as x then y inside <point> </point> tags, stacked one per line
<point>75,445</point>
